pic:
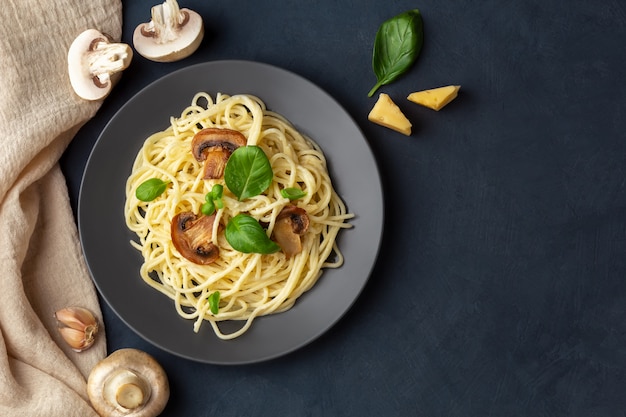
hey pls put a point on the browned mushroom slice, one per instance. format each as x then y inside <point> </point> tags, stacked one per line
<point>214,146</point>
<point>291,223</point>
<point>191,236</point>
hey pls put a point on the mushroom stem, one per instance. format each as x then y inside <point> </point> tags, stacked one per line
<point>105,59</point>
<point>167,18</point>
<point>126,390</point>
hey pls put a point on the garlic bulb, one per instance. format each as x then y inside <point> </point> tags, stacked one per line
<point>77,326</point>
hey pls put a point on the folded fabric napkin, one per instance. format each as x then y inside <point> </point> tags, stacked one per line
<point>42,265</point>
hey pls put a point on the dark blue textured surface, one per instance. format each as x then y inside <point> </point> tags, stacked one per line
<point>500,289</point>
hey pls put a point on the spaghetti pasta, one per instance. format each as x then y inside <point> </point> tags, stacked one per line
<point>250,285</point>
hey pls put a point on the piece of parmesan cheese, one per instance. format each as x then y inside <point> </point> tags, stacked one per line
<point>386,113</point>
<point>435,98</point>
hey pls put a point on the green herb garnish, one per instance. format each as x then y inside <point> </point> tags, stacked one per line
<point>245,234</point>
<point>151,189</point>
<point>292,193</point>
<point>397,45</point>
<point>213,200</point>
<point>214,302</point>
<point>248,172</point>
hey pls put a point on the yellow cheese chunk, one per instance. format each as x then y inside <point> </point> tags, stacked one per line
<point>435,98</point>
<point>387,113</point>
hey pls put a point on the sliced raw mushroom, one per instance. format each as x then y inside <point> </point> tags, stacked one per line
<point>128,383</point>
<point>291,223</point>
<point>191,236</point>
<point>214,146</point>
<point>95,64</point>
<point>171,35</point>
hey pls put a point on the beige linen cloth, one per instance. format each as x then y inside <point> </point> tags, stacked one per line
<point>42,268</point>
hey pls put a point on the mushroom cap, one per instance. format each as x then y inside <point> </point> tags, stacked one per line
<point>214,145</point>
<point>88,78</point>
<point>188,38</point>
<point>145,381</point>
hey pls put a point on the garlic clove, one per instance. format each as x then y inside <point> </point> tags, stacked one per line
<point>76,339</point>
<point>74,317</point>
<point>77,326</point>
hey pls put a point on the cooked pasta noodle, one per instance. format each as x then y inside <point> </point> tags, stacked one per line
<point>250,285</point>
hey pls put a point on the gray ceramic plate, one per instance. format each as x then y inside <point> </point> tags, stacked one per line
<point>114,264</point>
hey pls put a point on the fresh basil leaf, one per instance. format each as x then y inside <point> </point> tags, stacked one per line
<point>150,189</point>
<point>214,302</point>
<point>292,193</point>
<point>397,45</point>
<point>245,234</point>
<point>248,172</point>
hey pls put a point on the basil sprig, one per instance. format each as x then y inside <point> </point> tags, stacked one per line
<point>248,172</point>
<point>213,200</point>
<point>245,234</point>
<point>397,45</point>
<point>150,189</point>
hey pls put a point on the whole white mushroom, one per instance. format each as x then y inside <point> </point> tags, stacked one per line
<point>128,383</point>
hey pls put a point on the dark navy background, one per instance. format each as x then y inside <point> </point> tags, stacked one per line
<point>500,289</point>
